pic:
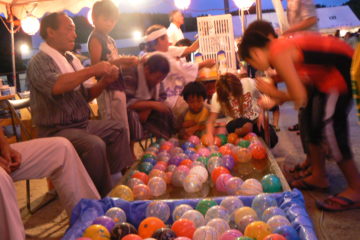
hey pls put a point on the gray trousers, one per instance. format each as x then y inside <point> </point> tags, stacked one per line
<point>103,147</point>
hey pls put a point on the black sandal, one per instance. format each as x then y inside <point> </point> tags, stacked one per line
<point>294,128</point>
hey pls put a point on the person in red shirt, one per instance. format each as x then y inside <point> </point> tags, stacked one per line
<point>309,62</point>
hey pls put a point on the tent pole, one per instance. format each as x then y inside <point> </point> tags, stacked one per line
<point>258,10</point>
<point>12,34</point>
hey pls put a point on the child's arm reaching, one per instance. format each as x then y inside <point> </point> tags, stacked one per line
<point>210,127</point>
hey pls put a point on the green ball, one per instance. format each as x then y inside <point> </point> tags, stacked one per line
<point>244,238</point>
<point>148,155</point>
<point>145,167</point>
<point>203,160</point>
<point>223,138</point>
<point>204,204</point>
<point>271,183</point>
<point>244,143</point>
<point>215,154</point>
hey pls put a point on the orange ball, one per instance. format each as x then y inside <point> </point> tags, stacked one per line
<point>168,177</point>
<point>149,225</point>
<point>231,138</point>
<point>142,176</point>
<point>131,237</point>
<point>250,136</point>
<point>274,236</point>
<point>205,140</point>
<point>217,141</point>
<point>225,150</point>
<point>217,172</point>
<point>184,228</point>
<point>186,162</point>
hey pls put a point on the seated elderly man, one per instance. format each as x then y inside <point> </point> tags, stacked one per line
<point>181,72</point>
<point>145,97</point>
<point>59,102</point>
<point>54,158</point>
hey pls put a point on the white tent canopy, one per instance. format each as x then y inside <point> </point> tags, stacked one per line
<point>329,18</point>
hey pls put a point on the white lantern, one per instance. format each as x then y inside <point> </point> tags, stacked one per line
<point>244,4</point>
<point>30,25</point>
<point>182,4</point>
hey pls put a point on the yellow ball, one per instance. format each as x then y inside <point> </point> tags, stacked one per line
<point>122,191</point>
<point>97,232</point>
<point>257,230</point>
<point>242,212</point>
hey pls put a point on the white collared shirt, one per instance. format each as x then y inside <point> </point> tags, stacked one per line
<point>174,33</point>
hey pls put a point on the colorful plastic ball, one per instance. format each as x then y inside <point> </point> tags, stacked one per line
<point>122,191</point>
<point>220,184</point>
<point>201,172</point>
<point>145,167</point>
<point>163,156</point>
<point>175,160</point>
<point>122,229</point>
<point>204,152</point>
<point>225,150</point>
<point>179,175</point>
<point>164,234</point>
<point>160,167</point>
<point>219,224</point>
<point>272,211</point>
<point>213,163</point>
<point>250,186</point>
<point>288,232</point>
<point>274,236</point>
<point>195,216</point>
<point>257,230</point>
<point>186,162</point>
<point>132,237</point>
<point>277,221</point>
<point>184,228</point>
<point>158,209</point>
<point>192,183</point>
<point>263,201</point>
<point>244,143</point>
<point>182,238</point>
<point>244,238</point>
<point>168,177</point>
<point>142,176</point>
<point>97,232</point>
<point>83,238</point>
<point>189,151</point>
<point>166,146</point>
<point>194,139</point>
<point>243,155</point>
<point>176,151</point>
<point>171,168</point>
<point>133,181</point>
<point>233,185</point>
<point>250,136</point>
<point>148,155</point>
<point>156,173</point>
<point>231,234</point>
<point>180,210</point>
<point>271,183</point>
<point>258,151</point>
<point>187,145</point>
<point>217,172</point>
<point>194,156</point>
<point>116,214</point>
<point>242,212</point>
<point>245,221</point>
<point>215,154</point>
<point>105,221</point>
<point>231,138</point>
<point>231,204</point>
<point>217,212</point>
<point>204,204</point>
<point>223,138</point>
<point>203,160</point>
<point>174,141</point>
<point>228,161</point>
<point>157,186</point>
<point>196,163</point>
<point>142,192</point>
<point>150,160</point>
<point>205,140</point>
<point>149,225</point>
<point>205,233</point>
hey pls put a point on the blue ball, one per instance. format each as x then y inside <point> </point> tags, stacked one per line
<point>271,183</point>
<point>288,232</point>
<point>150,160</point>
<point>187,145</point>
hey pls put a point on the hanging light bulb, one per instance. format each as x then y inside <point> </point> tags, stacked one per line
<point>244,4</point>
<point>30,25</point>
<point>182,4</point>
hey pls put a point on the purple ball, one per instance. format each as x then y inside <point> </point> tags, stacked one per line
<point>175,160</point>
<point>105,221</point>
<point>187,145</point>
<point>228,161</point>
<point>231,234</point>
<point>194,156</point>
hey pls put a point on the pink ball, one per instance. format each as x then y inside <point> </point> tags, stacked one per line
<point>194,139</point>
<point>221,182</point>
<point>231,234</point>
<point>204,152</point>
<point>141,192</point>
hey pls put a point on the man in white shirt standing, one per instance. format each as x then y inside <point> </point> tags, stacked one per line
<point>174,31</point>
